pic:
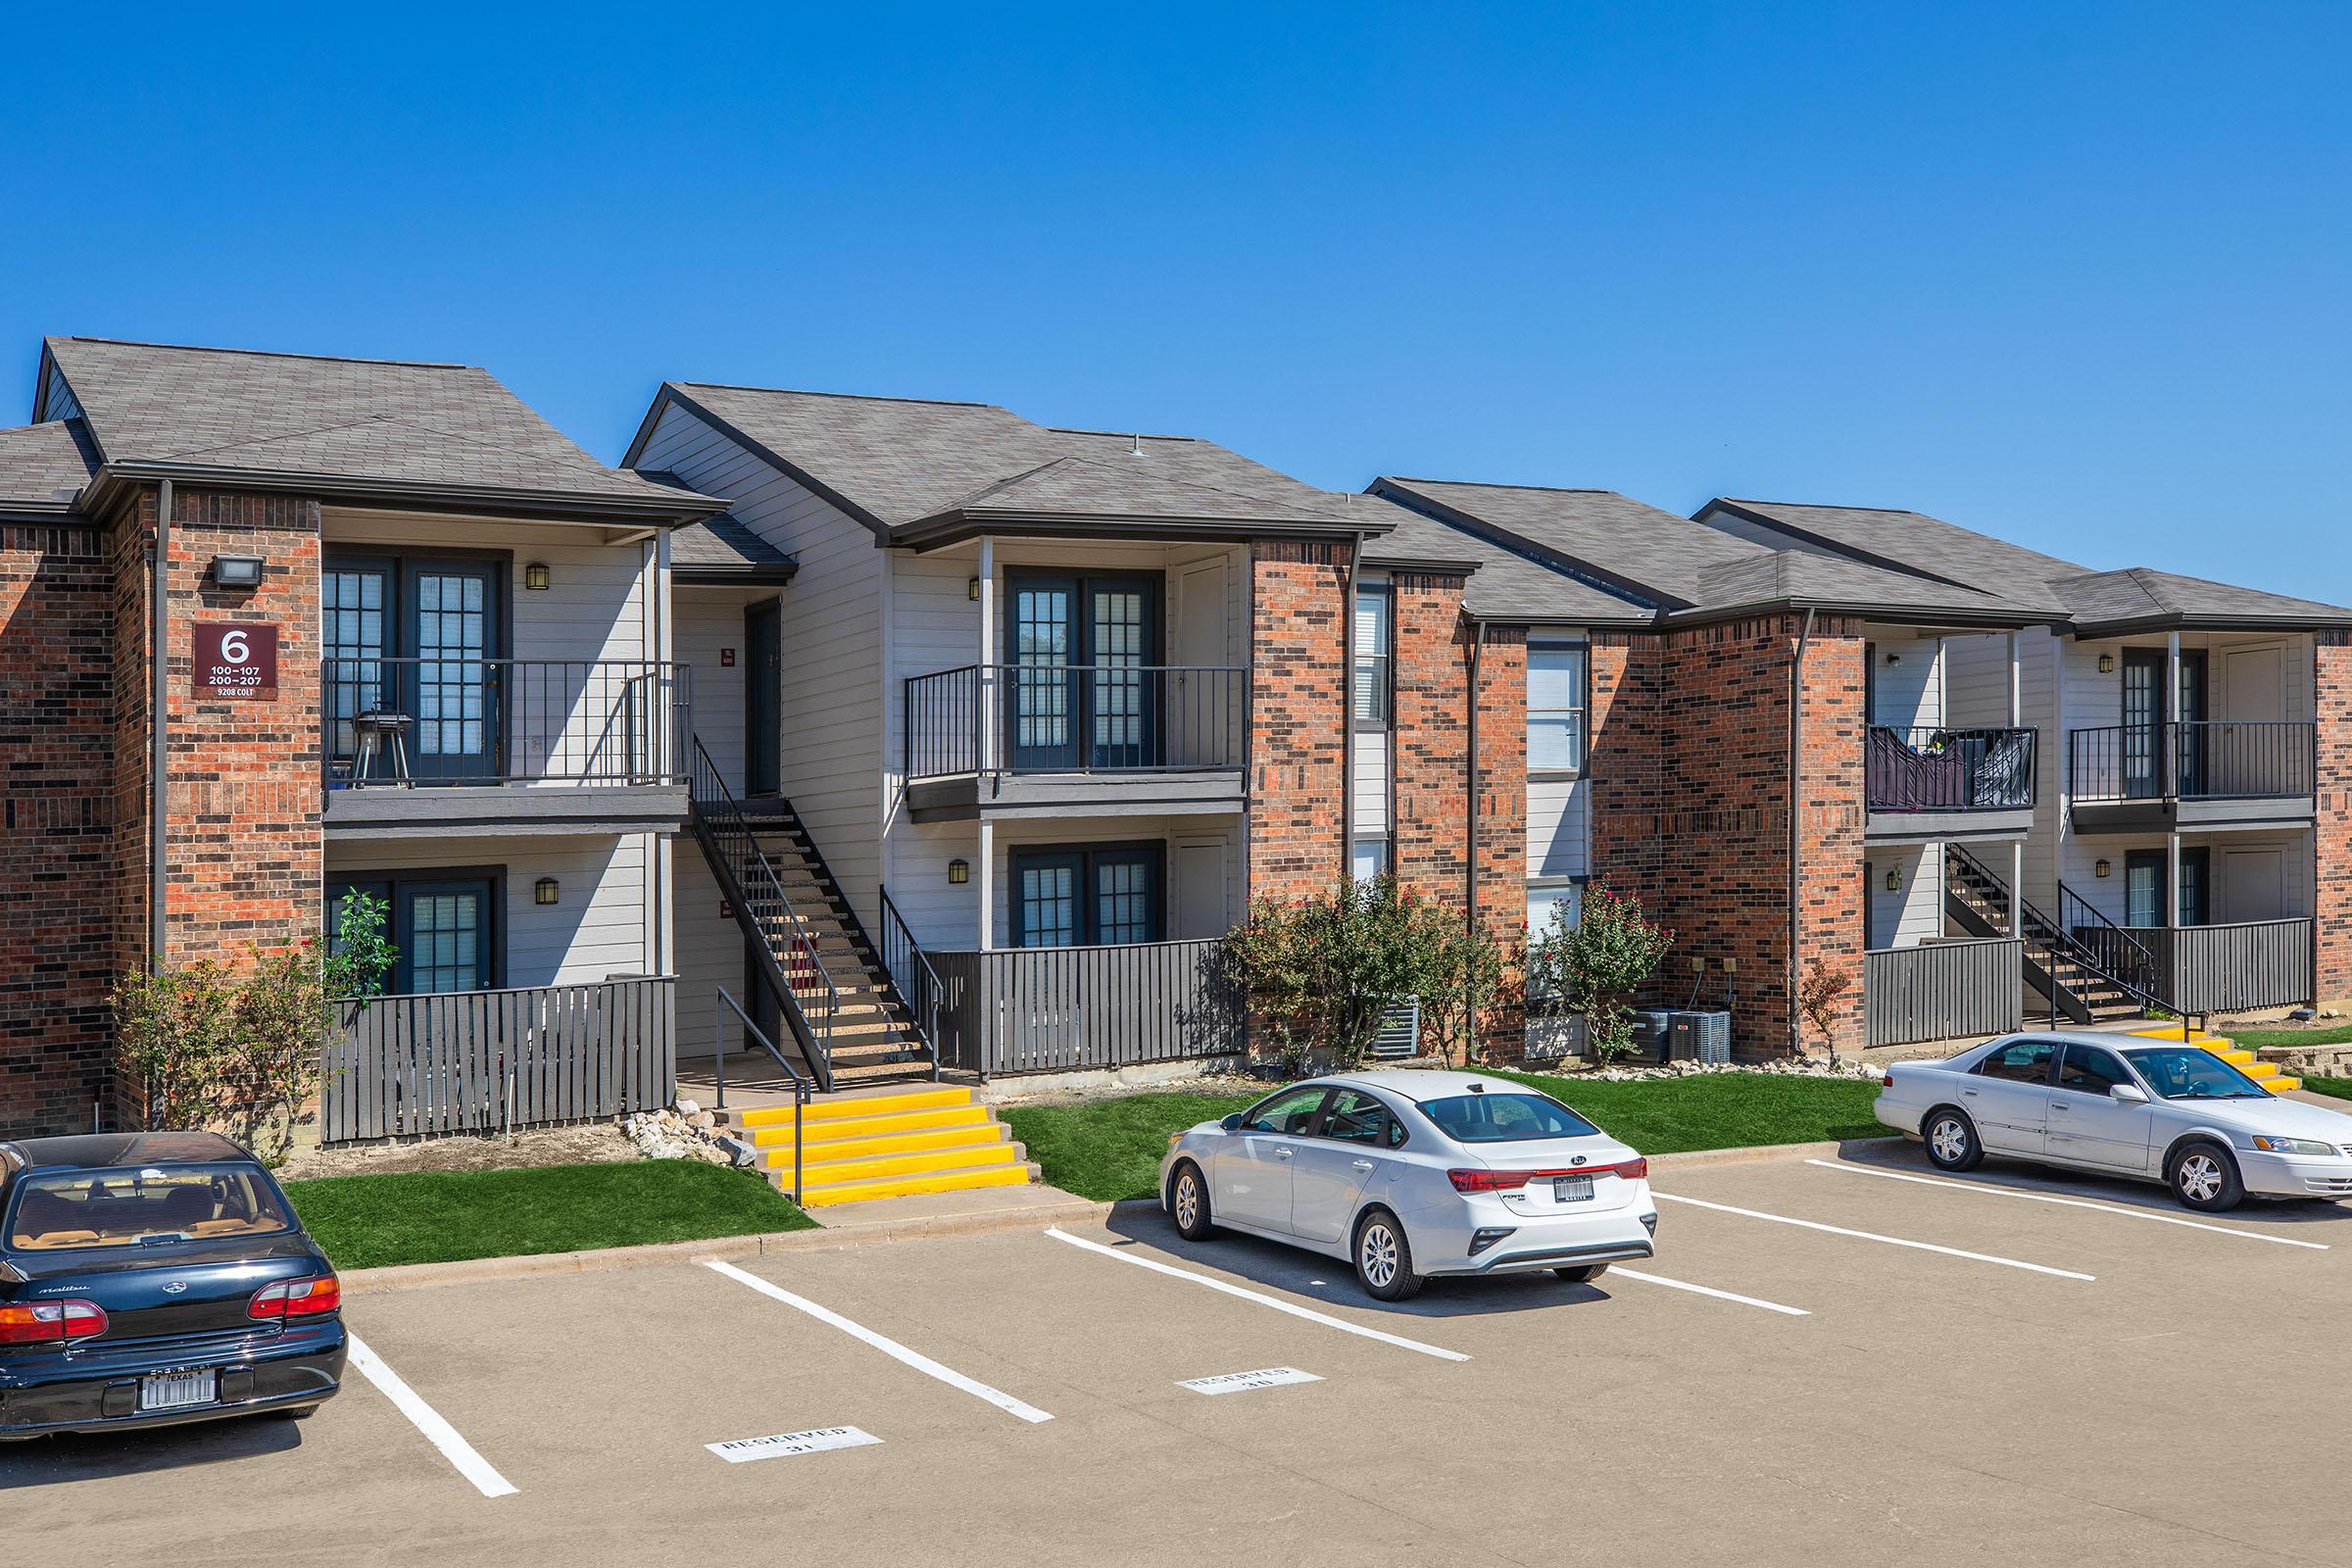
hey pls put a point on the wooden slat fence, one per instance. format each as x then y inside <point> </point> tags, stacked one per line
<point>2229,968</point>
<point>1942,990</point>
<point>1059,1010</point>
<point>486,1060</point>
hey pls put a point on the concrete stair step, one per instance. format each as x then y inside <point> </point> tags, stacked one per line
<point>959,1136</point>
<point>945,1181</point>
<point>820,1174</point>
<point>851,1107</point>
<point>775,1131</point>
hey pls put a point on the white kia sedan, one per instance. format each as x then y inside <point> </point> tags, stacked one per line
<point>2124,1106</point>
<point>1408,1174</point>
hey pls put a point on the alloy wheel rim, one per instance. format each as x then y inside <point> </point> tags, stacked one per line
<point>1188,1201</point>
<point>2200,1176</point>
<point>1949,1140</point>
<point>1379,1255</point>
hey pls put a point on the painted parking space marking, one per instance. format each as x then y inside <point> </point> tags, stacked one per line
<point>1265,1377</point>
<point>883,1342</point>
<point>427,1420</point>
<point>1274,1301</point>
<point>2072,1203</point>
<point>1619,1269</point>
<point>1872,1235</point>
<point>818,1440</point>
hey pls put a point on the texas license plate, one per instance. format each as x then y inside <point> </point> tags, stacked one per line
<point>1571,1189</point>
<point>174,1391</point>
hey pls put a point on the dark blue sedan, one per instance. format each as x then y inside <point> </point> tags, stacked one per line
<point>153,1278</point>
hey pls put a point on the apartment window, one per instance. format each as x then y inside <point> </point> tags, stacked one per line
<point>1544,899</point>
<point>1375,634</point>
<point>444,923</point>
<point>1555,708</point>
<point>1369,858</point>
<point>1087,897</point>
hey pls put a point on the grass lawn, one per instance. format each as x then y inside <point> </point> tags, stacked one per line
<point>2340,1087</point>
<point>2257,1039</point>
<point>1110,1148</point>
<point>439,1216</point>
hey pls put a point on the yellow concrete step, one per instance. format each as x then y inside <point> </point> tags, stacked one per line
<point>2281,1084</point>
<point>946,1181</point>
<point>830,1108</point>
<point>777,1131</point>
<point>834,1172</point>
<point>2258,1071</point>
<point>963,1135</point>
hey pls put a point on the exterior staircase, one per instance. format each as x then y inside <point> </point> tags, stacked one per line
<point>887,1143</point>
<point>846,1019</point>
<point>2265,1073</point>
<point>2057,965</point>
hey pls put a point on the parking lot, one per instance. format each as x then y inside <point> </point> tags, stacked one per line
<point>1921,1366</point>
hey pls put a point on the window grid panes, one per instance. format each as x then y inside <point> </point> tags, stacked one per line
<point>1049,906</point>
<point>1373,631</point>
<point>1042,650</point>
<point>1124,900</point>
<point>453,641</point>
<point>444,941</point>
<point>1119,630</point>
<point>1555,709</point>
<point>352,615</point>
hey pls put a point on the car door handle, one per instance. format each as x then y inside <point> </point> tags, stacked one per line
<point>2057,1104</point>
<point>1284,1153</point>
<point>1968,1094</point>
<point>1361,1164</point>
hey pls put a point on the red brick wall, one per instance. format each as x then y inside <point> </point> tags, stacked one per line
<point>2332,686</point>
<point>57,957</point>
<point>1431,754</point>
<point>1298,718</point>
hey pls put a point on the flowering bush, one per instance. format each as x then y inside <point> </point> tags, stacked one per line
<point>1595,966</point>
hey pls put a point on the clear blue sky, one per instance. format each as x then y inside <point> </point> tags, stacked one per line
<point>2078,276</point>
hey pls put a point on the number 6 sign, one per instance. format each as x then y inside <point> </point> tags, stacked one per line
<point>236,661</point>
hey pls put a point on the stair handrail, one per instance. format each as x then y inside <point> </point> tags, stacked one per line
<point>719,1008</point>
<point>718,812</point>
<point>2079,912</point>
<point>2062,943</point>
<point>923,1007</point>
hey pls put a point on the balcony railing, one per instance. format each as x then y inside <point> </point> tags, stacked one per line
<point>2215,759</point>
<point>406,721</point>
<point>1059,1010</point>
<point>1076,719</point>
<point>1949,769</point>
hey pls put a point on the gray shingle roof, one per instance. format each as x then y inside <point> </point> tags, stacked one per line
<point>2144,596</point>
<point>38,461</point>
<point>1914,542</point>
<point>724,546</point>
<point>375,422</point>
<point>900,464</point>
<point>1504,584</point>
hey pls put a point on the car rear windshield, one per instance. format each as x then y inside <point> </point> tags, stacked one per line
<point>2192,1072</point>
<point>131,1206</point>
<point>1504,1118</point>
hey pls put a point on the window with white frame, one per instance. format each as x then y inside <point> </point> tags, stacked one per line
<point>1369,858</point>
<point>1547,898</point>
<point>1369,699</point>
<point>1555,708</point>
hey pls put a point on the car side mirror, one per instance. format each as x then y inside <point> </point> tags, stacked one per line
<point>1232,1124</point>
<point>2129,1094</point>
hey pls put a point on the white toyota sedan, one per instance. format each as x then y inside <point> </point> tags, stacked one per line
<point>1408,1174</point>
<point>2125,1105</point>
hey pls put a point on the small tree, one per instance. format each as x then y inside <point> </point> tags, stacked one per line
<point>1595,966</point>
<point>360,955</point>
<point>1817,996</point>
<point>179,1031</point>
<point>1319,972</point>
<point>1483,982</point>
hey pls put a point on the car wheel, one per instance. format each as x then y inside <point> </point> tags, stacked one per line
<point>1384,1258</point>
<point>1188,1202</point>
<point>2204,1176</point>
<point>1951,1140</point>
<point>1582,1273</point>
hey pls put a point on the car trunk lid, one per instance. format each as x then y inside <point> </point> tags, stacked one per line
<point>166,1289</point>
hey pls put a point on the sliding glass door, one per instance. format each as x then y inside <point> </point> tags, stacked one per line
<point>1079,694</point>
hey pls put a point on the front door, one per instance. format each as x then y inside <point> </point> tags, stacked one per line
<point>2143,722</point>
<point>452,688</point>
<point>762,696</point>
<point>2253,885</point>
<point>1079,694</point>
<point>2255,753</point>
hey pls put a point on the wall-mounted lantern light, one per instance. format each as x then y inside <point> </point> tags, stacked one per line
<point>545,890</point>
<point>2106,664</point>
<point>237,571</point>
<point>1894,879</point>
<point>1895,658</point>
<point>971,589</point>
<point>536,577</point>
<point>2100,869</point>
<point>959,873</point>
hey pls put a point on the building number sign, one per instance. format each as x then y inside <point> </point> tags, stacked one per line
<point>236,661</point>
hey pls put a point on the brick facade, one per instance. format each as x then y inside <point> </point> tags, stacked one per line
<point>57,939</point>
<point>1298,718</point>
<point>2331,677</point>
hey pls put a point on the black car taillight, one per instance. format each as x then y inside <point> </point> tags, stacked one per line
<point>50,1322</point>
<point>296,1298</point>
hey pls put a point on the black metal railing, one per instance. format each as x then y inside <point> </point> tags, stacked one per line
<point>2114,949</point>
<point>2214,760</point>
<point>720,1005</point>
<point>1076,719</point>
<point>910,971</point>
<point>1934,769</point>
<point>402,722</point>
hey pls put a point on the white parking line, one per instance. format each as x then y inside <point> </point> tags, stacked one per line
<point>1617,1269</point>
<point>427,1420</point>
<point>1276,1303</point>
<point>2071,1203</point>
<point>887,1345</point>
<point>1871,1236</point>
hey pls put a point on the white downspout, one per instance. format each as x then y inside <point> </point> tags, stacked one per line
<point>985,693</point>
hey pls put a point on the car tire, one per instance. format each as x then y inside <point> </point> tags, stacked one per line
<point>1384,1258</point>
<point>1582,1273</point>
<point>1951,1140</point>
<point>2203,1177</point>
<point>1188,1203</point>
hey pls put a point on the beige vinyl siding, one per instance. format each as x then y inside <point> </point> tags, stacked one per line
<point>1914,913</point>
<point>1557,827</point>
<point>709,948</point>
<point>599,926</point>
<point>1908,692</point>
<point>1975,682</point>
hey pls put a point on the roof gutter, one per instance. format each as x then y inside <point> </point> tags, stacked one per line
<point>1796,703</point>
<point>114,481</point>
<point>955,527</point>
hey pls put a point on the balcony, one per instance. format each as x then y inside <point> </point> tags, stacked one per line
<point>1041,739</point>
<point>1934,784</point>
<point>443,745</point>
<point>2136,777</point>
